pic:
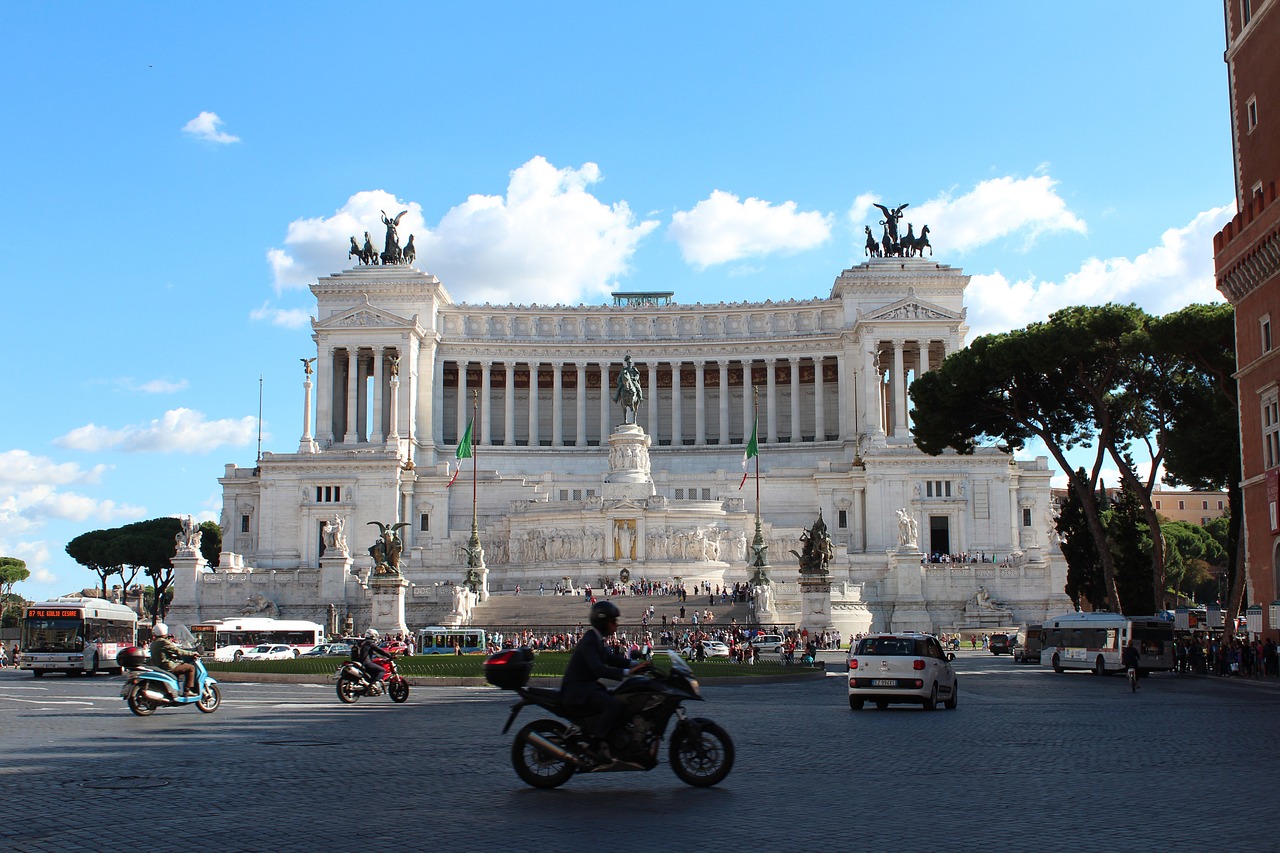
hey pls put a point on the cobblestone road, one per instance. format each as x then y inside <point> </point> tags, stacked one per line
<point>1029,761</point>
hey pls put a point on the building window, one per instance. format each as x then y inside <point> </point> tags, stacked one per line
<point>1246,12</point>
<point>328,494</point>
<point>1204,504</point>
<point>937,488</point>
<point>679,494</point>
<point>1157,504</point>
<point>244,524</point>
<point>564,494</point>
<point>1026,516</point>
<point>577,494</point>
<point>1251,111</point>
<point>1219,504</point>
<point>1182,504</point>
<point>706,494</point>
<point>843,520</point>
<point>1265,329</point>
<point>424,523</point>
<point>1271,429</point>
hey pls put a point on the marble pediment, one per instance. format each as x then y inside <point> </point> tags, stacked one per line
<point>364,316</point>
<point>911,308</point>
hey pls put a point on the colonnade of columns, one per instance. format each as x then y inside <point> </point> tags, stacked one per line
<point>895,364</point>
<point>794,404</point>
<point>356,410</point>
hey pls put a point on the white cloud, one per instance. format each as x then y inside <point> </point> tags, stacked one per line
<point>157,386</point>
<point>722,228</point>
<point>992,210</point>
<point>547,241</point>
<point>290,318</point>
<point>181,430</point>
<point>1172,275</point>
<point>205,126</point>
<point>20,468</point>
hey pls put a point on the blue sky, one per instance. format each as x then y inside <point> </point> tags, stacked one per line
<point>178,173</point>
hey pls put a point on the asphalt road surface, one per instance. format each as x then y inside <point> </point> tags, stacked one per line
<point>1029,761</point>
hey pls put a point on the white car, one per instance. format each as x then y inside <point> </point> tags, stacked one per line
<point>270,652</point>
<point>768,643</point>
<point>910,668</point>
<point>710,649</point>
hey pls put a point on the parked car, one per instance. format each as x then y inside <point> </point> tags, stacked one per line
<point>270,652</point>
<point>396,647</point>
<point>710,649</point>
<point>1000,644</point>
<point>902,668</point>
<point>339,650</point>
<point>768,643</point>
<point>318,650</point>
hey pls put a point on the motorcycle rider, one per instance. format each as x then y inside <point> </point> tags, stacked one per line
<point>364,652</point>
<point>172,658</point>
<point>592,659</point>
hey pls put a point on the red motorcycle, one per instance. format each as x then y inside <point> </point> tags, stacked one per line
<point>353,682</point>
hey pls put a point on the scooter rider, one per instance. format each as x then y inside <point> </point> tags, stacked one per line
<point>592,660</point>
<point>364,651</point>
<point>172,658</point>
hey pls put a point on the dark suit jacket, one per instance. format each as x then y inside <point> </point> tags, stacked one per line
<point>591,661</point>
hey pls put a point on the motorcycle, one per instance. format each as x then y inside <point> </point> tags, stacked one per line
<point>147,688</point>
<point>546,753</point>
<point>353,682</point>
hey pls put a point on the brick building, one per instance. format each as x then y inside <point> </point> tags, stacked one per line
<point>1246,260</point>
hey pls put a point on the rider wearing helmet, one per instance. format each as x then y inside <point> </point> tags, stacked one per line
<point>364,652</point>
<point>592,660</point>
<point>169,656</point>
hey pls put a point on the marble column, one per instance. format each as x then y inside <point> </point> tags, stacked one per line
<point>652,391</point>
<point>748,403</point>
<point>535,439</point>
<point>797,434</point>
<point>872,371</point>
<point>580,404</point>
<point>464,403</point>
<point>677,432</point>
<point>509,405</point>
<point>699,402</point>
<point>325,374</point>
<point>393,428</point>
<point>924,359</point>
<point>353,370</point>
<point>557,404</point>
<point>486,401</point>
<point>771,399</point>
<point>307,444</point>
<point>374,430</point>
<point>724,402</point>
<point>899,390</point>
<point>606,391</point>
<point>819,401</point>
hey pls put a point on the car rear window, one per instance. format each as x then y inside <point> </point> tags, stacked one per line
<point>886,646</point>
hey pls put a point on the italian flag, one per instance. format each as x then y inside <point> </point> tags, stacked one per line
<point>464,452</point>
<point>753,450</point>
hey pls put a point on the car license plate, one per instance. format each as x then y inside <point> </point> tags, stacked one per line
<point>883,682</point>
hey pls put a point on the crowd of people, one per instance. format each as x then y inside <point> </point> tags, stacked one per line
<point>1239,657</point>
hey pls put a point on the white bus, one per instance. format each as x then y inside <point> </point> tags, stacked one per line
<point>73,634</point>
<point>442,641</point>
<point>229,639</point>
<point>1094,641</point>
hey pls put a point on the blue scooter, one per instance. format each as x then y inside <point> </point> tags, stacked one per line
<point>147,688</point>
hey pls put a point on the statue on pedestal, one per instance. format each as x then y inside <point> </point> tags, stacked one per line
<point>387,549</point>
<point>908,532</point>
<point>817,548</point>
<point>629,392</point>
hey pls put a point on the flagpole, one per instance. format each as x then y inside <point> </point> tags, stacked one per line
<point>756,413</point>
<point>475,411</point>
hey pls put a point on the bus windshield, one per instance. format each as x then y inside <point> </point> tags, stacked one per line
<point>52,635</point>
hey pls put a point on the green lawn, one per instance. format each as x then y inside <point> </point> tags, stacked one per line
<point>549,664</point>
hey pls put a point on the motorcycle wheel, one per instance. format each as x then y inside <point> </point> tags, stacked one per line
<point>210,699</point>
<point>398,690</point>
<point>701,760</point>
<point>139,704</point>
<point>532,765</point>
<point>348,692</point>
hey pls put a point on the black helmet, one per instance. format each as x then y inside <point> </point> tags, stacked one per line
<point>601,613</point>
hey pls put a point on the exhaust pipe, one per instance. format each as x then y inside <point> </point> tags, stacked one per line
<point>154,697</point>
<point>547,746</point>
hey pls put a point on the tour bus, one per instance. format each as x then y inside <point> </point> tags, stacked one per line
<point>229,639</point>
<point>1094,641</point>
<point>441,641</point>
<point>73,634</point>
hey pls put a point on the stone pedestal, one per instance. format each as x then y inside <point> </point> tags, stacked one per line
<point>335,569</point>
<point>906,592</point>
<point>628,477</point>
<point>188,564</point>
<point>815,604</point>
<point>388,604</point>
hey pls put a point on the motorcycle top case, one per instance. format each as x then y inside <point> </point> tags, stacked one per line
<point>509,669</point>
<point>132,657</point>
